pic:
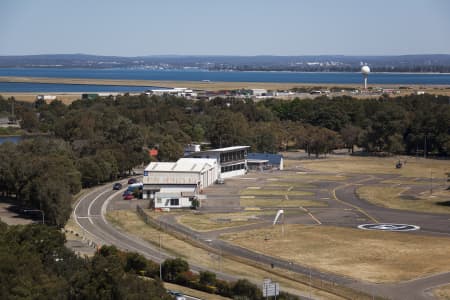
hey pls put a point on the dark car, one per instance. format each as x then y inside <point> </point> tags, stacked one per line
<point>117,186</point>
<point>127,192</point>
<point>132,180</point>
<point>128,197</point>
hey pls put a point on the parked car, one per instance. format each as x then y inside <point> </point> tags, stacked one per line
<point>128,197</point>
<point>177,295</point>
<point>127,192</point>
<point>132,180</point>
<point>117,186</point>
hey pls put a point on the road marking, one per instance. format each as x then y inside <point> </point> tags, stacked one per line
<point>333,193</point>
<point>314,218</point>
<point>76,217</point>
<point>304,208</point>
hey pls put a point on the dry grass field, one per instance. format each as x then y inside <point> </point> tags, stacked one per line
<point>397,197</point>
<point>200,85</point>
<point>131,223</point>
<point>381,165</point>
<point>367,255</point>
<point>212,221</point>
<point>280,202</point>
<point>273,192</point>
<point>442,293</point>
<point>308,178</point>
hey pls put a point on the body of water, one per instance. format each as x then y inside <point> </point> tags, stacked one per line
<point>21,87</point>
<point>200,75</point>
<point>13,139</point>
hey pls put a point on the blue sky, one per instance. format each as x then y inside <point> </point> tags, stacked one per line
<point>245,27</point>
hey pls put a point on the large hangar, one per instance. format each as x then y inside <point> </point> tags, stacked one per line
<point>176,184</point>
<point>232,161</point>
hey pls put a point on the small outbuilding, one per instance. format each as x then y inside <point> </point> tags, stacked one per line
<point>261,161</point>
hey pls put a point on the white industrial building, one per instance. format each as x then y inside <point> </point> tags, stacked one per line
<point>180,92</point>
<point>176,184</point>
<point>232,161</point>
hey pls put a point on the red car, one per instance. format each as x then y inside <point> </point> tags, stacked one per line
<point>128,197</point>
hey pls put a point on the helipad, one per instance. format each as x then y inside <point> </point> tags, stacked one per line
<point>389,227</point>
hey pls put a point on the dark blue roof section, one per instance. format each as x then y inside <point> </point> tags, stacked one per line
<point>274,159</point>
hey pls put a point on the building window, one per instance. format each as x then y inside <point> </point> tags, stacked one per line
<point>174,202</point>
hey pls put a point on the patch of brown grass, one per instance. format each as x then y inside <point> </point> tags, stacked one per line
<point>398,198</point>
<point>131,223</point>
<point>415,167</point>
<point>442,292</point>
<point>368,255</point>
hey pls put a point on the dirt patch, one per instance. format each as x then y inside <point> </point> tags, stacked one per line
<point>401,198</point>
<point>371,256</point>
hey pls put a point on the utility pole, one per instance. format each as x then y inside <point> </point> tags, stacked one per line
<point>431,182</point>
<point>160,258</point>
<point>425,147</point>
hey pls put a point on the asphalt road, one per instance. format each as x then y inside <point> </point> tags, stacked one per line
<point>89,214</point>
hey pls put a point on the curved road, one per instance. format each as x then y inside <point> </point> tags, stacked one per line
<point>90,210</point>
<point>89,214</point>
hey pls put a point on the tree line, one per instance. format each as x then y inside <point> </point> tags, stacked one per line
<point>94,141</point>
<point>35,264</point>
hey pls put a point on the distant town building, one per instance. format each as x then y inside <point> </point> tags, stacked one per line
<point>179,92</point>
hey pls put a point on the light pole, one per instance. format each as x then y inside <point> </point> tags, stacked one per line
<point>160,258</point>
<point>39,210</point>
<point>431,182</point>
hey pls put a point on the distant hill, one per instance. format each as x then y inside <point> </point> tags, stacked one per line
<point>320,63</point>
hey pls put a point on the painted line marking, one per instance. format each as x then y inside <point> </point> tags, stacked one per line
<point>92,203</point>
<point>314,218</point>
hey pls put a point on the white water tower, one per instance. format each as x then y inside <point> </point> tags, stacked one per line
<point>365,70</point>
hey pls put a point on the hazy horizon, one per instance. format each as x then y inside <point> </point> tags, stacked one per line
<point>232,28</point>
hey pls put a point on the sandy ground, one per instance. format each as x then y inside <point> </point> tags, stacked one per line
<point>12,218</point>
<point>199,85</point>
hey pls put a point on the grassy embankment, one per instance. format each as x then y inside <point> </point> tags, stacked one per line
<point>130,222</point>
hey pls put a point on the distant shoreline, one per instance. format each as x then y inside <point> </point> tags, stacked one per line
<point>203,85</point>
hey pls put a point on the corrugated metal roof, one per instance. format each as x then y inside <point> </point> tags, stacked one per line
<point>274,159</point>
<point>182,165</point>
<point>233,148</point>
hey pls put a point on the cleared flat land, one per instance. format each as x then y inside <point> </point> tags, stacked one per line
<point>398,198</point>
<point>367,255</point>
<point>419,167</point>
<point>442,293</point>
<point>200,85</point>
<point>213,221</point>
<point>130,222</point>
<point>280,203</point>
